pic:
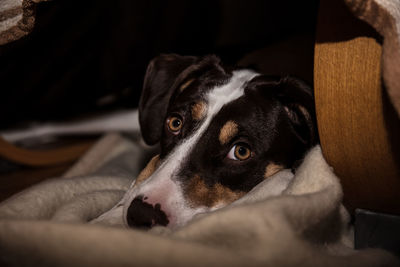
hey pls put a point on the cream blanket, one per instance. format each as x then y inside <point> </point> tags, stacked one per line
<point>305,225</point>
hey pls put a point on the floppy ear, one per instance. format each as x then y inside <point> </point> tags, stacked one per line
<point>158,88</point>
<point>297,99</point>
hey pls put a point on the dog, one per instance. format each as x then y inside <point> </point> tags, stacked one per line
<point>221,132</point>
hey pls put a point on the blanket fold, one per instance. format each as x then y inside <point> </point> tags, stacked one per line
<point>304,225</point>
<point>17,19</point>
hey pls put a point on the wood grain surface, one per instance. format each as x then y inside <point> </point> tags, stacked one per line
<point>359,130</point>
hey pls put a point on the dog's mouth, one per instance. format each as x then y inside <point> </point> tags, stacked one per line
<point>144,215</point>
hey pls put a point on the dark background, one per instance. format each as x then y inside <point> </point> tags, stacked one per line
<point>90,56</point>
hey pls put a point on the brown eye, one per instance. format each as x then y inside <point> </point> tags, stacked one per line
<point>239,152</point>
<point>174,124</point>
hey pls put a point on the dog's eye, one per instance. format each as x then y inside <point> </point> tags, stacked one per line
<point>239,152</point>
<point>174,124</point>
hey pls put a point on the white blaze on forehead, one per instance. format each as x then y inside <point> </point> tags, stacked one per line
<point>216,99</point>
<point>165,173</point>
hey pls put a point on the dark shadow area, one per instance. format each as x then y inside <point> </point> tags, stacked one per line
<point>90,56</point>
<point>392,124</point>
<point>337,20</point>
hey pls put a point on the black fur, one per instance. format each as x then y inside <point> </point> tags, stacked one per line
<point>275,116</point>
<point>163,76</point>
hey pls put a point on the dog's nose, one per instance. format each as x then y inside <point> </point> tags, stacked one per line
<point>144,215</point>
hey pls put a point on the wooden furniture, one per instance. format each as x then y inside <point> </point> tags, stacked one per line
<point>359,130</point>
<point>39,158</point>
<point>38,164</point>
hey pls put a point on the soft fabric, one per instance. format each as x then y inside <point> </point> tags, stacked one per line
<point>305,225</point>
<point>384,16</point>
<point>17,19</point>
<point>88,189</point>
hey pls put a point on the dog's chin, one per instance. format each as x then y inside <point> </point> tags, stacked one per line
<point>186,217</point>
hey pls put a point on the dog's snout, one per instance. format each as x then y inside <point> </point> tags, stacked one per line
<point>144,215</point>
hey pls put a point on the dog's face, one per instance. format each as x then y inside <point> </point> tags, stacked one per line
<point>221,133</point>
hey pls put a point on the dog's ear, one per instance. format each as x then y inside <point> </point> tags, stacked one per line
<point>164,75</point>
<point>158,88</point>
<point>296,96</point>
<point>298,101</point>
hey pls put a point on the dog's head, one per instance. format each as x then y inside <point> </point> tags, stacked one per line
<point>221,132</point>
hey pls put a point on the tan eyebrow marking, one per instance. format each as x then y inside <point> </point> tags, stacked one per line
<point>228,131</point>
<point>186,84</point>
<point>199,194</point>
<point>271,169</point>
<point>199,110</point>
<point>148,170</point>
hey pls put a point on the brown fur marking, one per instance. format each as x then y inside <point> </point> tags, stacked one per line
<point>148,170</point>
<point>186,84</point>
<point>271,169</point>
<point>228,131</point>
<point>199,194</point>
<point>199,110</point>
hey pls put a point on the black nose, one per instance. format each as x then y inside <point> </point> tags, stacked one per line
<point>144,215</point>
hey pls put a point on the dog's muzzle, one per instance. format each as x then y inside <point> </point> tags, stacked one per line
<point>144,215</point>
